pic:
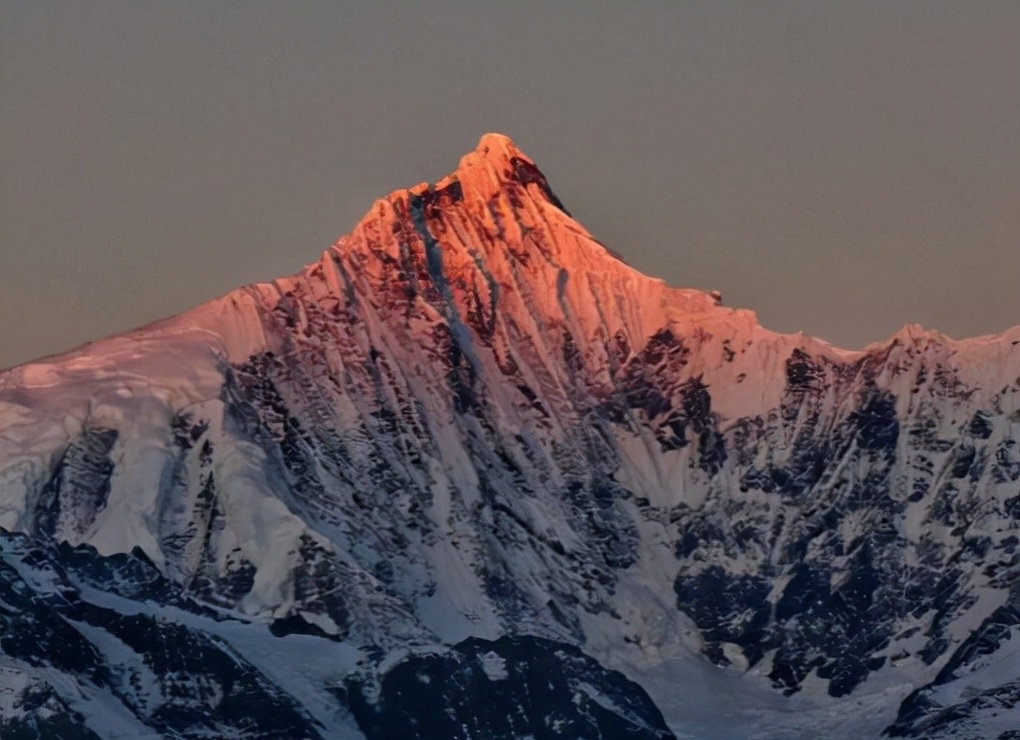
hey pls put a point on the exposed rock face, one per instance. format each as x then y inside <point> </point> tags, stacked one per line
<point>470,430</point>
<point>512,687</point>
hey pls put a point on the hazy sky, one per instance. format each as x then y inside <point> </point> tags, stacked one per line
<point>841,168</point>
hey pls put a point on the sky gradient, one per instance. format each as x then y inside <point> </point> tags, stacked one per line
<point>840,168</point>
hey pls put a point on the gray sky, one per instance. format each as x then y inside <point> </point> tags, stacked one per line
<point>840,168</point>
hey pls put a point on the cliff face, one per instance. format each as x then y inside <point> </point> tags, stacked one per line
<point>470,438</point>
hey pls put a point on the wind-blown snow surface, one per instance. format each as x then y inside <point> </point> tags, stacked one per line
<point>469,446</point>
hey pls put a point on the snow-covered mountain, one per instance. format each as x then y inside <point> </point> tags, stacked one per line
<point>470,475</point>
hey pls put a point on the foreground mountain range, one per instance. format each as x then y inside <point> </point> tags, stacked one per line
<point>471,476</point>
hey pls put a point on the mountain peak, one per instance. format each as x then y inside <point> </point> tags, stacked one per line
<point>494,148</point>
<point>491,242</point>
<point>496,165</point>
